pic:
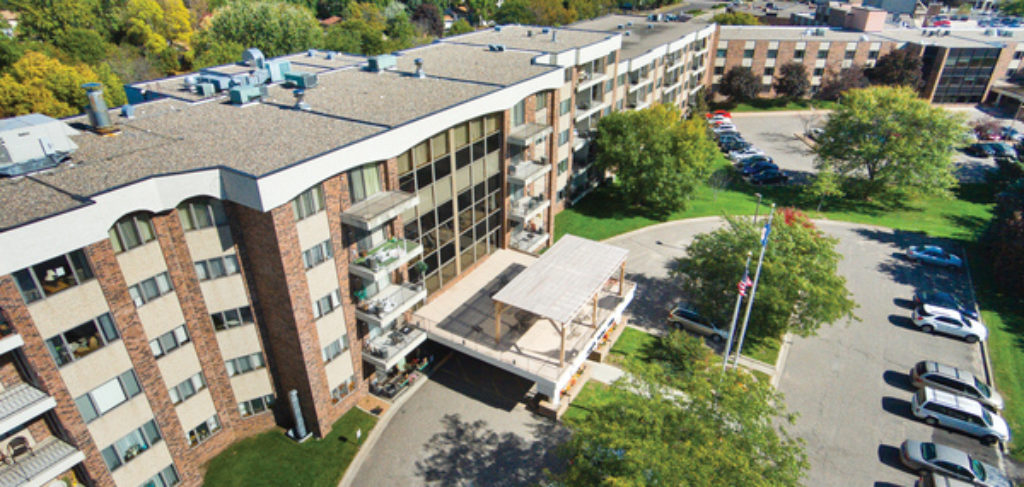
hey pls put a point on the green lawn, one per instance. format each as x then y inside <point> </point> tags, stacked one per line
<point>763,349</point>
<point>271,459</point>
<point>773,105</point>
<point>633,343</point>
<point>593,396</point>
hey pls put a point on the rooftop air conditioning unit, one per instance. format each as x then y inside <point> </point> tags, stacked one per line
<point>205,89</point>
<point>241,95</point>
<point>381,62</point>
<point>496,47</point>
<point>301,80</point>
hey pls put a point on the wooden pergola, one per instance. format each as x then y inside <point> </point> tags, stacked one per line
<point>569,276</point>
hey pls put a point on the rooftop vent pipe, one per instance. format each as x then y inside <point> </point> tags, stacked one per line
<point>419,68</point>
<point>97,109</point>
<point>554,35</point>
<point>300,94</point>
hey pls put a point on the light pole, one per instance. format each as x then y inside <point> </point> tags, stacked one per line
<point>758,207</point>
<point>736,311</point>
<point>753,288</point>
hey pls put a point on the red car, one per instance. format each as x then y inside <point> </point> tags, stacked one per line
<point>942,23</point>
<point>722,113</point>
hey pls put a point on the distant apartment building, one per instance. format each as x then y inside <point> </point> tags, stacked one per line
<point>172,270</point>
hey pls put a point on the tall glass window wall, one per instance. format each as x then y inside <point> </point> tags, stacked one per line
<point>965,74</point>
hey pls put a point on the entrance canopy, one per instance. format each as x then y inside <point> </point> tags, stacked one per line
<point>564,279</point>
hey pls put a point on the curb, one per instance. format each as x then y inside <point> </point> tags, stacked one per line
<point>699,219</point>
<point>780,362</point>
<point>371,439</point>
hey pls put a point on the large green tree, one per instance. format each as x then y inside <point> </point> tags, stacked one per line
<point>898,141</point>
<point>515,12</point>
<point>735,18</point>
<point>38,83</point>
<point>681,422</point>
<point>275,28</point>
<point>839,81</point>
<point>740,84</point>
<point>657,157</point>
<point>800,287</point>
<point>1012,7</point>
<point>793,81</point>
<point>899,67</point>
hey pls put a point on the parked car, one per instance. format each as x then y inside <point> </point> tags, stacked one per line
<point>1010,133</point>
<point>943,300</point>
<point>940,320</point>
<point>718,119</point>
<point>934,255</point>
<point>932,479</point>
<point>769,176</point>
<point>756,167</point>
<point>749,151</point>
<point>725,128</point>
<point>735,144</point>
<point>815,133</point>
<point>951,379</point>
<point>686,318</point>
<point>723,137</point>
<point>926,456</point>
<point>981,149</point>
<point>959,413</point>
<point>718,113</point>
<point>743,161</point>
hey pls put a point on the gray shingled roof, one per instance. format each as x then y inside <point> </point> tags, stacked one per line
<point>641,39</point>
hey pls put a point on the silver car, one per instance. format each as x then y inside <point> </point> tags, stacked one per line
<point>934,255</point>
<point>923,457</point>
<point>937,407</point>
<point>958,381</point>
<point>683,317</point>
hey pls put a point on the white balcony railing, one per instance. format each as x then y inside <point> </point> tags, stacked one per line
<point>388,349</point>
<point>528,207</point>
<point>388,304</point>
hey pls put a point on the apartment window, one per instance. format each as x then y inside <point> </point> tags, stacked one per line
<point>773,53</point>
<point>849,54</point>
<point>205,430</point>
<point>151,288</point>
<point>111,394</point>
<point>819,71</point>
<point>720,53</point>
<point>767,71</point>
<point>563,166</point>
<point>719,69</point>
<point>611,58</point>
<point>53,276</point>
<point>256,406</point>
<point>335,348</point>
<point>343,389</point>
<point>131,231</point>
<point>167,477</point>
<point>1016,54</point>
<point>327,304</point>
<point>798,54</point>
<point>201,213</point>
<point>748,53</point>
<point>308,203</point>
<point>540,101</point>
<point>564,107</point>
<point>245,363</point>
<point>169,342</point>
<point>519,113</point>
<point>82,340</point>
<point>609,86</point>
<point>131,445</point>
<point>622,79</point>
<point>217,267</point>
<point>823,54</point>
<point>563,137</point>
<point>231,318</point>
<point>560,195</point>
<point>317,254</point>
<point>187,388</point>
<point>619,104</point>
<point>568,75</point>
<point>364,182</point>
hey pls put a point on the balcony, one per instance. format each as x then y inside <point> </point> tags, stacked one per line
<point>50,458</point>
<point>379,209</point>
<point>588,79</point>
<point>528,207</point>
<point>20,403</point>
<point>528,241</point>
<point>385,259</point>
<point>382,308</point>
<point>385,351</point>
<point>529,134</point>
<point>526,172</point>
<point>9,339</point>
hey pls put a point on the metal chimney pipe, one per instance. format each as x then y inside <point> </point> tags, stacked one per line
<point>99,116</point>
<point>419,68</point>
<point>554,35</point>
<point>300,424</point>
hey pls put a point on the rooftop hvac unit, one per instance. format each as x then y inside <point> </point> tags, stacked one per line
<point>301,80</point>
<point>32,143</point>
<point>205,89</point>
<point>253,58</point>
<point>382,62</point>
<point>241,95</point>
<point>819,32</point>
<point>496,47</point>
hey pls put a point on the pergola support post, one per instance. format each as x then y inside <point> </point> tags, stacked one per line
<point>561,351</point>
<point>622,278</point>
<point>593,319</point>
<point>497,322</point>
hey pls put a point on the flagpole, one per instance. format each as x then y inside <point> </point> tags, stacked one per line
<point>753,289</point>
<point>736,312</point>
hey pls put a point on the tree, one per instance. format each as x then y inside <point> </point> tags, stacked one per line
<point>214,52</point>
<point>552,12</point>
<point>899,67</point>
<point>1012,7</point>
<point>658,158</point>
<point>515,12</point>
<point>679,421</point>
<point>273,27</point>
<point>838,82</point>
<point>793,80</point>
<point>899,141</point>
<point>1005,239</point>
<point>460,26</point>
<point>740,84</point>
<point>800,287</point>
<point>698,105</point>
<point>735,18</point>
<point>589,9</point>
<point>825,186</point>
<point>38,83</point>
<point>428,17</point>
<point>50,19</point>
<point>482,9</point>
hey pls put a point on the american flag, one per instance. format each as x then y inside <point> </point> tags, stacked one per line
<point>744,284</point>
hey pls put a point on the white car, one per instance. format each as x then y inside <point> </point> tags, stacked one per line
<point>736,155</point>
<point>725,127</point>
<point>719,118</point>
<point>948,322</point>
<point>959,413</point>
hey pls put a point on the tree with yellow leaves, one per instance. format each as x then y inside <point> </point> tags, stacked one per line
<point>41,84</point>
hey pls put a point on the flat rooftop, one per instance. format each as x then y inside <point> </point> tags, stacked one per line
<point>463,317</point>
<point>641,38</point>
<point>531,38</point>
<point>960,38</point>
<point>173,135</point>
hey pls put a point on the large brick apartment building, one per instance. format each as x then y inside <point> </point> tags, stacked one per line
<point>211,249</point>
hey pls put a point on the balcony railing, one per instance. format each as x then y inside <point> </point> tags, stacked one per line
<point>21,403</point>
<point>526,172</point>
<point>385,258</point>
<point>528,207</point>
<point>529,133</point>
<point>49,458</point>
<point>388,349</point>
<point>382,308</point>
<point>379,209</point>
<point>528,241</point>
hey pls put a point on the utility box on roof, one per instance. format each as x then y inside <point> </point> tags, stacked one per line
<point>244,94</point>
<point>301,80</point>
<point>382,62</point>
<point>32,143</point>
